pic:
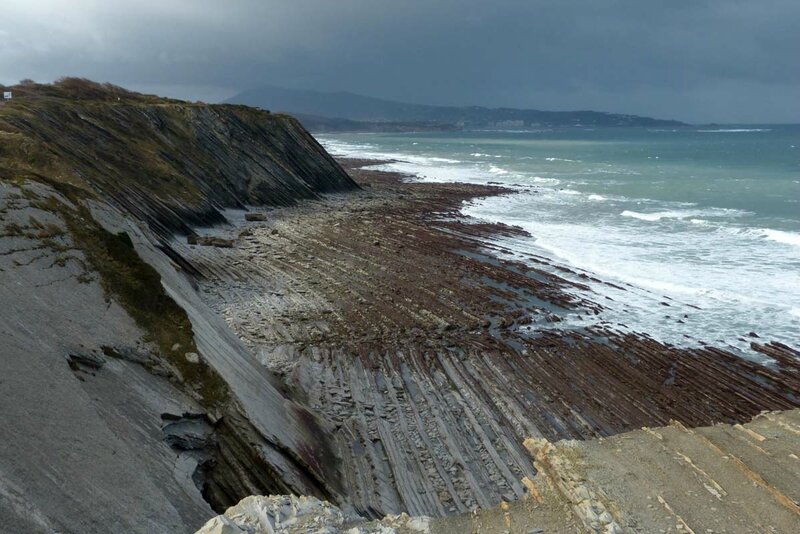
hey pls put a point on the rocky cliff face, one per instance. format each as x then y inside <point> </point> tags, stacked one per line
<point>127,405</point>
<point>169,163</point>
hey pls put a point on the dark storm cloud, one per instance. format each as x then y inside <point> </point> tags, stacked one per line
<point>699,60</point>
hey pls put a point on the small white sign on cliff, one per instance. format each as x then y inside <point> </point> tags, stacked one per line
<point>6,95</point>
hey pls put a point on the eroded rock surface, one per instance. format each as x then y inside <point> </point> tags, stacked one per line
<point>367,349</point>
<point>127,405</point>
<point>434,361</point>
<point>723,478</point>
<point>281,514</point>
<point>81,443</point>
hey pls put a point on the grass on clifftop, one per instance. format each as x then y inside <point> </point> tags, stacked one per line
<point>136,286</point>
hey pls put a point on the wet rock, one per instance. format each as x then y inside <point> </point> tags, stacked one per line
<point>209,241</point>
<point>187,432</point>
<point>256,216</point>
<point>92,360</point>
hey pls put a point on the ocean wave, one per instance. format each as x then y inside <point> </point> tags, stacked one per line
<point>684,214</point>
<point>598,198</point>
<point>560,159</point>
<point>778,236</point>
<point>788,238</point>
<point>769,234</point>
<point>736,130</point>
<point>480,155</point>
<point>547,181</point>
<point>441,160</point>
<point>371,152</point>
<point>657,216</point>
<point>339,148</point>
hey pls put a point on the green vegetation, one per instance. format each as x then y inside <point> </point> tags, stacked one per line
<point>166,163</point>
<point>136,286</point>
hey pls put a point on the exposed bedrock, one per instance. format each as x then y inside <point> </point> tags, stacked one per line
<point>366,349</point>
<point>387,314</point>
<point>723,478</point>
<point>81,444</point>
<point>171,164</point>
<point>127,405</point>
<point>94,393</point>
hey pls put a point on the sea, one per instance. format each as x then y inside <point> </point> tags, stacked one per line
<point>699,227</point>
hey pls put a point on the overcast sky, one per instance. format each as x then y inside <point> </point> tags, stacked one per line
<point>694,60</point>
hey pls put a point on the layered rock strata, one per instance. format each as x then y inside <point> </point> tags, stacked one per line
<point>723,478</point>
<point>433,360</point>
<point>127,405</point>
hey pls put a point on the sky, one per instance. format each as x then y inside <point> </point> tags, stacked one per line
<point>727,61</point>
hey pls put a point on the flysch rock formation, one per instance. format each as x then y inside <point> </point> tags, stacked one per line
<point>81,438</point>
<point>723,478</point>
<point>434,361</point>
<point>187,320</point>
<point>126,404</point>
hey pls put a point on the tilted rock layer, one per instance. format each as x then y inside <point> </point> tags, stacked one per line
<point>723,478</point>
<point>126,404</point>
<point>368,350</point>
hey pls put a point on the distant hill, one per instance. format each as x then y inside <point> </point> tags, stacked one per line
<point>353,107</point>
<point>315,123</point>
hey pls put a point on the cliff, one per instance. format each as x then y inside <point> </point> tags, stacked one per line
<point>128,405</point>
<point>378,350</point>
<point>166,162</point>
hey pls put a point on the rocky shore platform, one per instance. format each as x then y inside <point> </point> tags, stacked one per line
<point>432,361</point>
<point>724,478</point>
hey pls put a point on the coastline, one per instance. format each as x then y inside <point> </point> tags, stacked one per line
<point>602,205</point>
<point>386,311</point>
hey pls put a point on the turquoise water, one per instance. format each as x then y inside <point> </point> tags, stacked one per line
<point>706,218</point>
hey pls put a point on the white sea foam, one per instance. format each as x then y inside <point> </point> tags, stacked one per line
<point>677,252</point>
<point>544,181</point>
<point>736,130</point>
<point>693,215</point>
<point>560,159</point>
<point>658,215</point>
<point>780,236</point>
<point>764,234</point>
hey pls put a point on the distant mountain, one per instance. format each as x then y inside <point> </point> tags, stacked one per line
<point>315,123</point>
<point>353,107</point>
